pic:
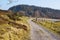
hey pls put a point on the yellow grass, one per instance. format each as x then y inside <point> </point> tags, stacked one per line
<point>52,26</point>
<point>9,32</point>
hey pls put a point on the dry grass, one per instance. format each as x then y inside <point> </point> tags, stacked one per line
<point>14,30</point>
<point>52,26</point>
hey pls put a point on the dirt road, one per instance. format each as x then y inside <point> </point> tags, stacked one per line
<point>39,33</point>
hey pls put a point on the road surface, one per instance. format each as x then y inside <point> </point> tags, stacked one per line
<point>39,33</point>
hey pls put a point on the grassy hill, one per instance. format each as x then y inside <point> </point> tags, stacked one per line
<point>35,11</point>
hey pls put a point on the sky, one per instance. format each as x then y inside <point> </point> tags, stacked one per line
<point>55,4</point>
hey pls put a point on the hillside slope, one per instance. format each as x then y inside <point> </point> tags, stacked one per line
<point>35,11</point>
<point>10,29</point>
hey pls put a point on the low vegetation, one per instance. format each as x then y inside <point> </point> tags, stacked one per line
<point>14,29</point>
<point>50,25</point>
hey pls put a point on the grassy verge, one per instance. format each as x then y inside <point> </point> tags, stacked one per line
<point>51,26</point>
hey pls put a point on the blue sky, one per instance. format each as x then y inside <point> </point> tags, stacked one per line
<point>55,4</point>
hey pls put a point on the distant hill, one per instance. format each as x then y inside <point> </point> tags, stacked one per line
<point>35,11</point>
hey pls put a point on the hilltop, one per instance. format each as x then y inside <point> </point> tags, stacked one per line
<point>35,11</point>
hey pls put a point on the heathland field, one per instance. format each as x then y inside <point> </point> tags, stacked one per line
<point>11,29</point>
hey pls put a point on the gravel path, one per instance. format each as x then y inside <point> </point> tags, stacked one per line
<point>39,33</point>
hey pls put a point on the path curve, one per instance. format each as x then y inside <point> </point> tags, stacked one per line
<point>39,33</point>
